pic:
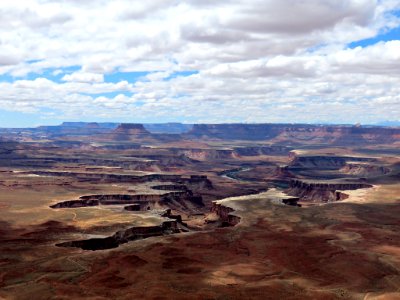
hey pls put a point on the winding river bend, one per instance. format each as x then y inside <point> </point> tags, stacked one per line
<point>232,174</point>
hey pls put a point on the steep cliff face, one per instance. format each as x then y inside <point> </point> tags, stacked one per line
<point>282,172</point>
<point>128,131</point>
<point>364,170</point>
<point>323,161</point>
<point>196,182</point>
<point>138,133</point>
<point>309,185</point>
<point>175,199</point>
<point>193,181</point>
<point>124,236</point>
<point>225,214</point>
<point>298,133</point>
<point>322,191</point>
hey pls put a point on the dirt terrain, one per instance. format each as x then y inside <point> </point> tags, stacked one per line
<point>229,211</point>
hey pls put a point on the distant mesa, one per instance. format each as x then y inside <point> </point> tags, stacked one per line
<point>92,125</point>
<point>297,134</point>
<point>89,125</point>
<point>129,131</point>
<point>131,128</point>
<point>292,135</point>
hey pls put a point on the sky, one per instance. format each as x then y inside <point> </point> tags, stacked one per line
<point>199,61</point>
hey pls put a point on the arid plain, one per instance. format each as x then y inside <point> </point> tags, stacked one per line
<point>174,211</point>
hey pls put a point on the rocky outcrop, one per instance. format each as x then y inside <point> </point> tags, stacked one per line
<point>282,173</point>
<point>328,185</point>
<point>127,132</point>
<point>175,199</point>
<point>168,214</point>
<point>137,132</point>
<point>133,207</point>
<point>195,181</point>
<point>293,201</point>
<point>364,170</point>
<point>322,191</point>
<point>228,218</point>
<point>323,161</point>
<point>76,203</point>
<point>225,214</point>
<point>124,236</point>
<point>131,128</point>
<point>130,164</point>
<point>326,162</point>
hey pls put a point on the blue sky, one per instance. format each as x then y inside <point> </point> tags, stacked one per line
<point>256,61</point>
<point>383,36</point>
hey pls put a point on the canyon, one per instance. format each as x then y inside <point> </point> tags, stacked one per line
<point>199,211</point>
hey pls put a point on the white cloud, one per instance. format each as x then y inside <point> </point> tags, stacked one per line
<point>84,77</point>
<point>257,60</point>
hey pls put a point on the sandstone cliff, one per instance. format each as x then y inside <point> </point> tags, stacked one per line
<point>364,170</point>
<point>225,214</point>
<point>297,133</point>
<point>324,191</point>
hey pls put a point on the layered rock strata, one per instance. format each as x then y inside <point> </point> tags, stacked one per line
<point>225,214</point>
<point>323,161</point>
<point>199,181</point>
<point>297,133</point>
<point>365,170</point>
<point>322,191</point>
<point>141,202</point>
<point>124,236</point>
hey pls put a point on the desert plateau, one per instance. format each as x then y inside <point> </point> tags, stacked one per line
<point>229,211</point>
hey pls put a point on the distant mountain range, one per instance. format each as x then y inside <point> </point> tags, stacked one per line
<point>176,128</point>
<point>280,134</point>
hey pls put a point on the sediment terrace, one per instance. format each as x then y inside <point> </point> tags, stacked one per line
<point>198,180</point>
<point>324,161</point>
<point>364,169</point>
<point>124,236</point>
<point>231,210</point>
<point>177,200</point>
<point>177,197</point>
<point>323,191</point>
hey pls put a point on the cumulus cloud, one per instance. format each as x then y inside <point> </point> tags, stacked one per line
<point>255,60</point>
<point>83,77</point>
